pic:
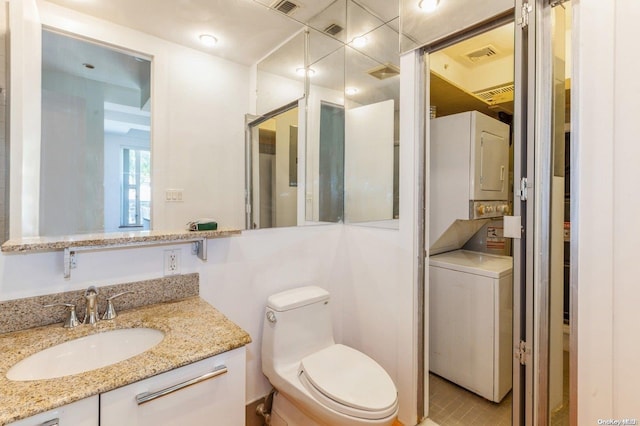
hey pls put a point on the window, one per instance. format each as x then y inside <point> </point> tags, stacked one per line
<point>136,187</point>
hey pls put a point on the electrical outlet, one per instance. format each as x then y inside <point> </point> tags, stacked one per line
<point>171,262</point>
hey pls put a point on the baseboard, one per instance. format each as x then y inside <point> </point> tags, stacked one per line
<point>251,418</point>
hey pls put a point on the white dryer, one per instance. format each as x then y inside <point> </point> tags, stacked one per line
<point>470,321</point>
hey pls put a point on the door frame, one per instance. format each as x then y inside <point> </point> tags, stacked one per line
<point>532,147</point>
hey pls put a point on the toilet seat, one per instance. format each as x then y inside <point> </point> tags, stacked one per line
<point>349,382</point>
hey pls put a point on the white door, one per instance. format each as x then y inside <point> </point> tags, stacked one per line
<point>524,120</point>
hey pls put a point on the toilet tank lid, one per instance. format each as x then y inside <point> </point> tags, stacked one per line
<point>296,298</point>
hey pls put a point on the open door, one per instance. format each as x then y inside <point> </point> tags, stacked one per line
<point>528,222</point>
<point>537,229</point>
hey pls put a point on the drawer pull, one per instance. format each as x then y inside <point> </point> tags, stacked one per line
<point>150,396</point>
<point>53,422</point>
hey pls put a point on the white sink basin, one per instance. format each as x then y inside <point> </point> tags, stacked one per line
<point>85,354</point>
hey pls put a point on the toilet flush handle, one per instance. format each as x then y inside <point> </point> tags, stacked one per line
<point>271,317</point>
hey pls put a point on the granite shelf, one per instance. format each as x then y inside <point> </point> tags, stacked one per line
<point>70,244</point>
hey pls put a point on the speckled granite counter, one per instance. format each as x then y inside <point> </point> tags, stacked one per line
<point>193,329</point>
<point>34,244</point>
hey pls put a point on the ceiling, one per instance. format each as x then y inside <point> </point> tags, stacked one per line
<point>67,55</point>
<point>336,60</point>
<point>484,83</point>
<point>501,39</point>
<point>247,30</point>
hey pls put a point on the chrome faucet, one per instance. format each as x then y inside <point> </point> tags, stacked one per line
<point>71,320</point>
<point>91,311</point>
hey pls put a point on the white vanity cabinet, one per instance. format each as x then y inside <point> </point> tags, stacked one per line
<point>79,413</point>
<point>208,392</point>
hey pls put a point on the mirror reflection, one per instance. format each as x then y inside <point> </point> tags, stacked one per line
<point>326,139</point>
<point>279,81</point>
<point>426,22</point>
<point>274,170</point>
<point>198,107</point>
<point>352,101</point>
<point>95,156</point>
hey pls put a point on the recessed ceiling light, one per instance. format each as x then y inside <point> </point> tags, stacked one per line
<point>208,40</point>
<point>350,91</point>
<point>360,41</point>
<point>301,71</point>
<point>428,5</point>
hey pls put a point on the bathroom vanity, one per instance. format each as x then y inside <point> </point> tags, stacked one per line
<point>195,374</point>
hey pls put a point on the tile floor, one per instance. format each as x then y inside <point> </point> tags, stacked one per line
<point>451,405</point>
<point>428,422</point>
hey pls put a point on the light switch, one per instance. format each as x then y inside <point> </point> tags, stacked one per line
<point>513,227</point>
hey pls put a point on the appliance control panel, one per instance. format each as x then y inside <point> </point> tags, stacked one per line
<point>487,209</point>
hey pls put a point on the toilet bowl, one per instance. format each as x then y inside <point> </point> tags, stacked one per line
<point>317,381</point>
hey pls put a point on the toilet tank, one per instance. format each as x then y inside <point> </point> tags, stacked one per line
<point>297,323</point>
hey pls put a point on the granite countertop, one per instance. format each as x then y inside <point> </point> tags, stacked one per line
<point>194,330</point>
<point>33,244</point>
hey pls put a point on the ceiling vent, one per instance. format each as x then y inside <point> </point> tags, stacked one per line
<point>333,29</point>
<point>497,94</point>
<point>285,6</point>
<point>482,53</point>
<point>384,71</point>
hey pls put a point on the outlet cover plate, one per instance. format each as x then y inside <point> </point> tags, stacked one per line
<point>172,262</point>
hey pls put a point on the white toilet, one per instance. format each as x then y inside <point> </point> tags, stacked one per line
<point>319,382</point>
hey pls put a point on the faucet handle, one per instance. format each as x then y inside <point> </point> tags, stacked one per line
<point>110,312</point>
<point>92,290</point>
<point>72,319</point>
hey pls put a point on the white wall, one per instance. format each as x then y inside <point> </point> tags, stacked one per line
<point>375,288</point>
<point>605,106</point>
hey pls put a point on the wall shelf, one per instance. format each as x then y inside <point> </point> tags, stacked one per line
<point>70,244</point>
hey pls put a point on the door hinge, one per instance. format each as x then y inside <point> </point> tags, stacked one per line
<point>526,9</point>
<point>522,352</point>
<point>523,191</point>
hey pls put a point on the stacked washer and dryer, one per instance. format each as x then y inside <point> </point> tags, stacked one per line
<point>470,292</point>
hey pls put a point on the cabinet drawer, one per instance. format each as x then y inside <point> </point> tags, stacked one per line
<point>189,395</point>
<point>79,413</point>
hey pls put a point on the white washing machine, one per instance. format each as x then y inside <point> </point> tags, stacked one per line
<point>470,321</point>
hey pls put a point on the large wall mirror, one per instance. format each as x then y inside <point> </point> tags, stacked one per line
<point>345,62</point>
<point>95,155</point>
<point>175,112</point>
